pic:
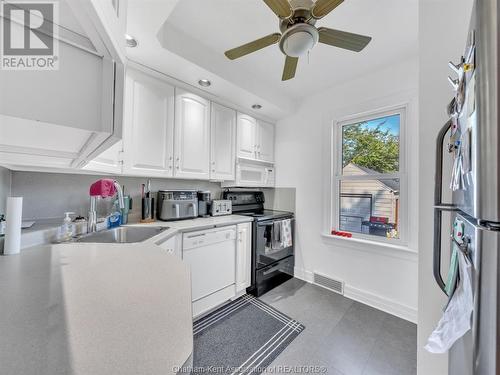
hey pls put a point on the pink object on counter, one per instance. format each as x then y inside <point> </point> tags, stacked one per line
<point>103,188</point>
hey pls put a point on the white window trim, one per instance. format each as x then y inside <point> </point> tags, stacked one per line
<point>336,174</point>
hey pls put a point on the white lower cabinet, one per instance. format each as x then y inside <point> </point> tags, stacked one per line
<point>243,257</point>
<point>172,246</point>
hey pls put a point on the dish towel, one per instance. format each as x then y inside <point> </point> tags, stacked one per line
<point>286,233</point>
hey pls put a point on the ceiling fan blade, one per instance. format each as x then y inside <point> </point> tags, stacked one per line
<point>290,68</point>
<point>343,39</point>
<point>281,8</point>
<point>256,45</point>
<point>322,7</point>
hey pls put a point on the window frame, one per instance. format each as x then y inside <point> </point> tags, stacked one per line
<point>337,177</point>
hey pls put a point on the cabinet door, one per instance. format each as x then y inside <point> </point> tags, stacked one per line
<point>223,143</point>
<point>243,256</point>
<point>110,161</point>
<point>265,147</point>
<point>149,126</point>
<point>247,131</point>
<point>172,246</point>
<point>192,136</point>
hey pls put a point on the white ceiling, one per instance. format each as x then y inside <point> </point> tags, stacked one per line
<point>199,31</point>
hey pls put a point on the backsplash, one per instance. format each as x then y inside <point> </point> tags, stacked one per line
<point>49,195</point>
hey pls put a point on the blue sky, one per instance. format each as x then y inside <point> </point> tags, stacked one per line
<point>391,124</point>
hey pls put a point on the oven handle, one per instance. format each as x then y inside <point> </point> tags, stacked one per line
<point>270,222</point>
<point>271,270</point>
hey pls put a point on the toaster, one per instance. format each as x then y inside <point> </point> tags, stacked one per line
<point>177,205</point>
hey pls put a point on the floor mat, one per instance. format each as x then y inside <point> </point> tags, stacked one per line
<point>242,337</point>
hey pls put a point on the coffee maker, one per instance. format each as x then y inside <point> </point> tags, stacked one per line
<point>204,202</point>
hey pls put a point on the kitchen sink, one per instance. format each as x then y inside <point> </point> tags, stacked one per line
<point>122,235</point>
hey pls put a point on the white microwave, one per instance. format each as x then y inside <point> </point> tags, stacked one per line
<point>252,175</point>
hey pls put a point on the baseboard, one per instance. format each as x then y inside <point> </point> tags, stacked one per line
<point>302,274</point>
<point>387,305</point>
<point>381,303</point>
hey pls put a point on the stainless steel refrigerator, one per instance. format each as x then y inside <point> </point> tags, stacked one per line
<point>473,138</point>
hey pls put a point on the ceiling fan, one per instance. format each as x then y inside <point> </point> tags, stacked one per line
<point>298,33</point>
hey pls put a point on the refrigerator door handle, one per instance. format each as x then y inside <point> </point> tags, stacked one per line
<point>439,207</point>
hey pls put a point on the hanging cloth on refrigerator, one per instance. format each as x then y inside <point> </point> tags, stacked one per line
<point>456,319</point>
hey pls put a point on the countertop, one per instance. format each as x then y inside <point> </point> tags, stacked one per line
<point>201,223</point>
<point>81,308</point>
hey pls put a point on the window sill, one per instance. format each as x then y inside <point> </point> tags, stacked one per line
<point>398,251</point>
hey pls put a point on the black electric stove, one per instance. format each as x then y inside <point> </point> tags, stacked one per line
<point>272,258</point>
<point>266,214</point>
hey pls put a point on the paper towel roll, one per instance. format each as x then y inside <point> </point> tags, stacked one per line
<point>13,216</point>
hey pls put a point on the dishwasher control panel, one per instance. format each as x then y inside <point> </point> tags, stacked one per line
<point>221,207</point>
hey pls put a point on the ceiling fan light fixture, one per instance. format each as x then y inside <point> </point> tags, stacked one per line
<point>298,40</point>
<point>256,106</point>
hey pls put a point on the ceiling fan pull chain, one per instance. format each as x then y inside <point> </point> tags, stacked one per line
<point>308,54</point>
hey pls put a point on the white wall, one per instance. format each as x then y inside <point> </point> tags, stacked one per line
<point>5,181</point>
<point>383,277</point>
<point>442,36</point>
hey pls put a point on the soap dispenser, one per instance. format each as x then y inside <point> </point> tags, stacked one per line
<point>67,229</point>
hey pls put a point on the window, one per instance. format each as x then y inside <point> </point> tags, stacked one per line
<point>368,178</point>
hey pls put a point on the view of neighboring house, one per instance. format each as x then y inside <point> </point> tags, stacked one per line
<point>366,204</point>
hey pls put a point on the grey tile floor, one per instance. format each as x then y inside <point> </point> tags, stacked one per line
<point>342,336</point>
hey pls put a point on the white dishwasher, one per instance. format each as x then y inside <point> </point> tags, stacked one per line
<point>211,255</point>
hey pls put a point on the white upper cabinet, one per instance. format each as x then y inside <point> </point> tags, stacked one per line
<point>222,143</point>
<point>247,136</point>
<point>192,136</point>
<point>265,147</point>
<point>62,118</point>
<point>110,161</point>
<point>148,137</point>
<point>255,139</point>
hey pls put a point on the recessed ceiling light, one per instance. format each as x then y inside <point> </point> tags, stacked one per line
<point>204,82</point>
<point>131,41</point>
<point>256,106</point>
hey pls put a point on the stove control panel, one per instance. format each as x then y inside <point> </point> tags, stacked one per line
<point>221,207</point>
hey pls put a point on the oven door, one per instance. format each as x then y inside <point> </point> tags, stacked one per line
<point>269,243</point>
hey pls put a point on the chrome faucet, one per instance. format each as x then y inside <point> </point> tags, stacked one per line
<point>92,222</point>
